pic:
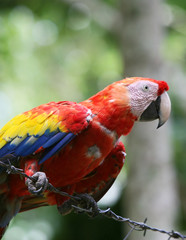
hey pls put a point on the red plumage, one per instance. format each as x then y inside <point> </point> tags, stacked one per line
<point>75,145</point>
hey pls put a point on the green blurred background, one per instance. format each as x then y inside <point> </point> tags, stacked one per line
<point>56,50</point>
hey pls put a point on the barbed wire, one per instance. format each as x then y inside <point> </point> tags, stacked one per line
<point>90,211</point>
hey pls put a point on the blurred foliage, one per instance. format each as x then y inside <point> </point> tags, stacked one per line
<point>179,140</point>
<point>180,3</point>
<point>175,50</point>
<point>81,227</point>
<point>53,50</point>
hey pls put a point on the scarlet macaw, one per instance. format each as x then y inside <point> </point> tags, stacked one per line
<point>76,145</point>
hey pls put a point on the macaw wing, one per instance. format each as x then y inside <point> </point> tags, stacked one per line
<point>99,181</point>
<point>48,127</point>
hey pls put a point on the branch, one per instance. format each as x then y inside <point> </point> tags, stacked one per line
<point>137,226</point>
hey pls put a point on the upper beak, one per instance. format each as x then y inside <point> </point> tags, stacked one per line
<point>159,109</point>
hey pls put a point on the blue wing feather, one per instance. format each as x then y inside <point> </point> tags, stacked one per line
<point>56,138</point>
<point>28,136</point>
<point>51,142</point>
<point>28,149</point>
<point>6,149</point>
<point>57,147</point>
<point>21,147</point>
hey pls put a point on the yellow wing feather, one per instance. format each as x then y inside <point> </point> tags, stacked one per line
<point>52,124</point>
<point>23,125</point>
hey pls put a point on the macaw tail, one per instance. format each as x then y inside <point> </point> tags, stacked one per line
<point>31,202</point>
<point>2,231</point>
<point>9,205</point>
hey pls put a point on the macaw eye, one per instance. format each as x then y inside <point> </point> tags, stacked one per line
<point>145,88</point>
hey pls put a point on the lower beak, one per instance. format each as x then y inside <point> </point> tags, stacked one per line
<point>159,109</point>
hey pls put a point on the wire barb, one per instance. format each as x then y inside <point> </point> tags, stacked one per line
<point>108,213</point>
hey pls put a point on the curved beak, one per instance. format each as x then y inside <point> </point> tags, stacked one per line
<point>159,109</point>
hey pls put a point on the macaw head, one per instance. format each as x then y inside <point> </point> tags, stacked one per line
<point>148,99</point>
<point>123,102</point>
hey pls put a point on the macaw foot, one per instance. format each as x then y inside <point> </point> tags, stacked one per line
<point>39,183</point>
<point>82,203</point>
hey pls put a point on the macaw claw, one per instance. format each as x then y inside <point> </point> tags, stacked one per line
<point>39,183</point>
<point>81,203</point>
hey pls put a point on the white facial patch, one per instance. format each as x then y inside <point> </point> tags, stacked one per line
<point>141,94</point>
